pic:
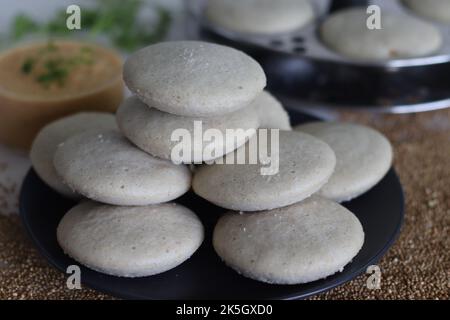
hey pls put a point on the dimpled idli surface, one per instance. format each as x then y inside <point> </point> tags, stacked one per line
<point>363,157</point>
<point>106,167</point>
<point>130,241</point>
<point>46,142</point>
<point>192,78</point>
<point>305,164</point>
<point>259,16</point>
<point>271,113</point>
<point>401,36</point>
<point>437,10</point>
<point>304,242</point>
<point>152,131</point>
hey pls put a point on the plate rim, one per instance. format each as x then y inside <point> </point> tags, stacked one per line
<point>375,258</point>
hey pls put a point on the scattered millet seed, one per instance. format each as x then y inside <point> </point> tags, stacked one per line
<point>416,267</point>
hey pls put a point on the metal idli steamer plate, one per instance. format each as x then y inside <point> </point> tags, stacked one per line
<point>204,275</point>
<point>305,74</point>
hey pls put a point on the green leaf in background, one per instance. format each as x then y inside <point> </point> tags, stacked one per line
<point>57,26</point>
<point>116,19</point>
<point>22,25</point>
<point>136,36</point>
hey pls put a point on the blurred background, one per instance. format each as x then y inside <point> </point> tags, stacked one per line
<point>26,106</point>
<point>84,73</point>
<point>15,14</point>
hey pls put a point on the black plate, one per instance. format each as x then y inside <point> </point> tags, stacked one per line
<point>204,276</point>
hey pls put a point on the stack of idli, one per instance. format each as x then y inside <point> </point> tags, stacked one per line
<point>285,226</point>
<point>289,228</point>
<point>177,84</point>
<point>126,226</point>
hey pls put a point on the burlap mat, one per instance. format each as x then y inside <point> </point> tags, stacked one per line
<point>416,267</point>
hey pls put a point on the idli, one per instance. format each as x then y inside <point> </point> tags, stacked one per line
<point>194,79</point>
<point>304,165</point>
<point>363,157</point>
<point>259,16</point>
<point>46,142</point>
<point>437,10</point>
<point>130,241</point>
<point>107,168</point>
<point>401,36</point>
<point>304,242</point>
<point>271,113</point>
<point>155,131</point>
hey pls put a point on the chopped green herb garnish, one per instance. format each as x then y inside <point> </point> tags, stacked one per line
<point>86,49</point>
<point>51,47</point>
<point>57,68</point>
<point>56,72</point>
<point>27,66</point>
